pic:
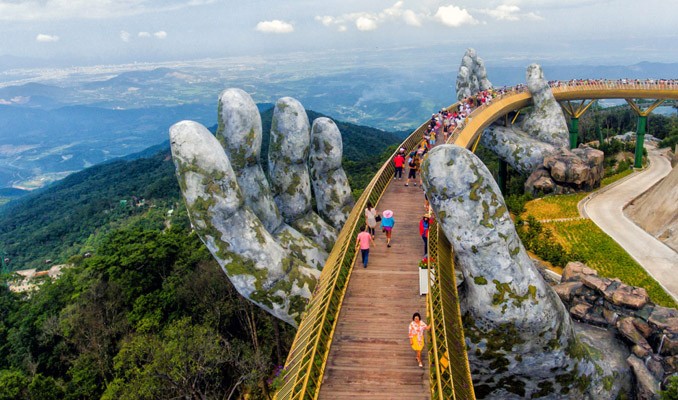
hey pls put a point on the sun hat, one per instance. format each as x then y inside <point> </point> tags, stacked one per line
<point>388,214</point>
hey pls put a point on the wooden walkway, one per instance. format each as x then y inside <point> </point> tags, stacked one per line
<point>370,357</point>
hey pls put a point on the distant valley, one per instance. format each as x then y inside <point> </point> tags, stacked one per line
<point>55,122</point>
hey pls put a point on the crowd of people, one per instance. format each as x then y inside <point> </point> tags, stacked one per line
<point>441,125</point>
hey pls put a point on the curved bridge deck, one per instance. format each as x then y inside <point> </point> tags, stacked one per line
<point>352,340</point>
<point>370,357</point>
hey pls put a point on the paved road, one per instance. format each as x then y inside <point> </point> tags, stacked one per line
<point>605,209</point>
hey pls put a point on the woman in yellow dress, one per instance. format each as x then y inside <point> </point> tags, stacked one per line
<point>417,328</point>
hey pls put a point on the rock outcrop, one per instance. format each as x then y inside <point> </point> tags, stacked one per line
<point>650,331</point>
<point>539,149</point>
<point>264,235</point>
<point>472,76</point>
<point>519,335</point>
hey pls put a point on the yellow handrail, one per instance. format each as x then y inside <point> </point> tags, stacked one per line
<point>307,359</point>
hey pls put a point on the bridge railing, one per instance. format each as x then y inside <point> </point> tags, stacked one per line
<point>305,365</point>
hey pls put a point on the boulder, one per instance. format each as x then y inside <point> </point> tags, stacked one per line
<point>574,270</point>
<point>665,319</point>
<point>631,297</point>
<point>566,291</point>
<point>596,283</point>
<point>642,327</point>
<point>629,331</point>
<point>647,386</point>
<point>581,310</point>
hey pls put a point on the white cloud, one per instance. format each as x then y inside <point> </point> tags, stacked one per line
<point>454,16</point>
<point>144,34</point>
<point>160,34</point>
<point>275,26</point>
<point>46,38</point>
<point>365,24</point>
<point>366,21</point>
<point>510,12</point>
<point>43,10</point>
<point>125,36</point>
<point>411,18</point>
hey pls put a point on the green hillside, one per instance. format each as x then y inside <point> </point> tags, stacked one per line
<point>70,216</point>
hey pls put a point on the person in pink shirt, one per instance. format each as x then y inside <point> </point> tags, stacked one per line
<point>363,243</point>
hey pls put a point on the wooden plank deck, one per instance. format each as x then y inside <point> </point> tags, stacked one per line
<point>370,357</point>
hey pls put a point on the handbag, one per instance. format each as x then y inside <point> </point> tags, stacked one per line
<point>377,218</point>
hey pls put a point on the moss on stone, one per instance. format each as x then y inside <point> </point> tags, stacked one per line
<point>480,280</point>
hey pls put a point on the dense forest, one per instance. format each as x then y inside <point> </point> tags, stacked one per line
<point>143,312</point>
<point>70,217</point>
<point>149,314</point>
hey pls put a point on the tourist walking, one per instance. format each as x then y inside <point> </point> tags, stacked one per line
<point>371,218</point>
<point>416,333</point>
<point>424,225</point>
<point>413,163</point>
<point>398,162</point>
<point>363,243</point>
<point>387,223</point>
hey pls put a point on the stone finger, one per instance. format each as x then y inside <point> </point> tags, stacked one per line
<point>288,170</point>
<point>330,184</point>
<point>545,121</point>
<point>258,266</point>
<point>239,131</point>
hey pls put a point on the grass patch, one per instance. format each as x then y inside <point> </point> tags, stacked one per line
<point>614,178</point>
<point>604,255</point>
<point>554,207</point>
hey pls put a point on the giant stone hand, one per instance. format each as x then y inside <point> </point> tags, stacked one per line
<point>520,336</point>
<point>266,237</point>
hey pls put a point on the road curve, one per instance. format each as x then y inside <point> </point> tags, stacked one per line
<point>605,208</point>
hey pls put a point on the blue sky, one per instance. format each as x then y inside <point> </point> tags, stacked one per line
<point>85,32</point>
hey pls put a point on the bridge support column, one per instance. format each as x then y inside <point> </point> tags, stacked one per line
<point>642,128</point>
<point>640,140</point>
<point>502,178</point>
<point>574,113</point>
<point>574,132</point>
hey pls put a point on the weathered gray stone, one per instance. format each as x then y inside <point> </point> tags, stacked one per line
<point>579,311</point>
<point>546,121</point>
<point>522,152</point>
<point>330,184</point>
<point>472,76</point>
<point>290,179</point>
<point>511,303</point>
<point>239,131</point>
<point>257,265</point>
<point>647,387</point>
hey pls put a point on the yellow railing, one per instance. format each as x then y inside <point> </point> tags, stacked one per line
<point>450,376</point>
<point>306,361</point>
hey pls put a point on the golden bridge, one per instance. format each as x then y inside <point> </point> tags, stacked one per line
<point>352,340</point>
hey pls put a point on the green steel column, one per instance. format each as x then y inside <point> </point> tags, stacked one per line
<point>503,175</point>
<point>574,132</point>
<point>640,139</point>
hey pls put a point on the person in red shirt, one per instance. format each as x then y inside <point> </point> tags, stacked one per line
<point>398,162</point>
<point>424,226</point>
<point>363,243</point>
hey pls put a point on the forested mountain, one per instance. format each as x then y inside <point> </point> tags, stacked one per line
<point>69,217</point>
